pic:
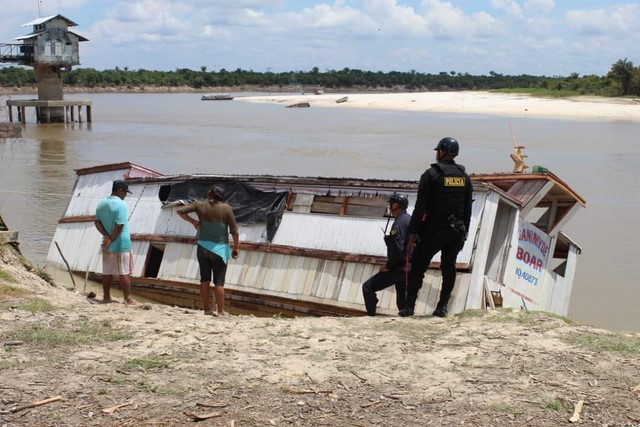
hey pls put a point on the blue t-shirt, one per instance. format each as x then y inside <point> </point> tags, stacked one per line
<point>110,211</point>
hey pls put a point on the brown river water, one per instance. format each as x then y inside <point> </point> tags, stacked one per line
<point>179,133</point>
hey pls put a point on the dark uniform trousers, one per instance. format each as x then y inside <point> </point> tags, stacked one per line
<point>383,280</point>
<point>450,244</point>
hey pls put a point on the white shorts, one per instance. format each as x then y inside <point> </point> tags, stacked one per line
<point>117,263</point>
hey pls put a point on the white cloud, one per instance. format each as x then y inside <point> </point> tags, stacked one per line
<point>519,36</point>
<point>539,5</point>
<point>614,20</point>
<point>510,6</point>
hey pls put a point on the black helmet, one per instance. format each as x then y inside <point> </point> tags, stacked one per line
<point>401,200</point>
<point>449,146</point>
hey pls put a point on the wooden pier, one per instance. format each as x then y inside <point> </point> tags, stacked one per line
<point>59,110</point>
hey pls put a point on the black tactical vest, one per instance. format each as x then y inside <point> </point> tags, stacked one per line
<point>449,186</point>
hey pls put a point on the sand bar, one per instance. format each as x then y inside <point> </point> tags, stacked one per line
<point>473,102</point>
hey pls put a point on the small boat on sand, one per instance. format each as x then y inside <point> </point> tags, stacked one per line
<point>217,97</point>
<point>341,100</point>
<point>299,105</point>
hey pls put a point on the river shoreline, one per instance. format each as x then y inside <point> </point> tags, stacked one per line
<point>459,102</point>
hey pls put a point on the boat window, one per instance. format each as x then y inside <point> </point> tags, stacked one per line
<point>350,206</point>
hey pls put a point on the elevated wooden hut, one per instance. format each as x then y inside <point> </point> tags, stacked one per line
<point>50,48</point>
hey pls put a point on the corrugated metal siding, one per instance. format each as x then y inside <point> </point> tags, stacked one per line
<point>332,233</point>
<point>80,245</point>
<point>288,276</point>
<point>90,189</point>
<point>180,263</point>
<point>465,256</point>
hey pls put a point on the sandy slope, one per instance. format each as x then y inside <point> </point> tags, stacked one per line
<point>112,365</point>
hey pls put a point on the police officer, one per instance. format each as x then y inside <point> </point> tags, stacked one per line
<point>393,273</point>
<point>439,222</point>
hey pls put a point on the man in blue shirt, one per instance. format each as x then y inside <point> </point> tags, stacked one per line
<point>112,222</point>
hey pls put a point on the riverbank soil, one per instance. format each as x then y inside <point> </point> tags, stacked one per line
<point>68,361</point>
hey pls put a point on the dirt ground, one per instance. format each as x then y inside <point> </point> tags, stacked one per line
<point>66,361</point>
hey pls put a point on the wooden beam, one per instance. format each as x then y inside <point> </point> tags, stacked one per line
<point>476,287</point>
<point>8,237</point>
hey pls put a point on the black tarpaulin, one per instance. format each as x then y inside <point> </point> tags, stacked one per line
<point>250,205</point>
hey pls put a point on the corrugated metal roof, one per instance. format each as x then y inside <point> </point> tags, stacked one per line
<point>28,36</point>
<point>507,182</point>
<point>80,37</point>
<point>49,18</point>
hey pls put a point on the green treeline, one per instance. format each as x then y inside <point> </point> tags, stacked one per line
<point>623,79</point>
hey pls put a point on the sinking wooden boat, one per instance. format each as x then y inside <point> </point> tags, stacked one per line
<point>341,100</point>
<point>217,97</point>
<point>308,243</point>
<point>299,105</point>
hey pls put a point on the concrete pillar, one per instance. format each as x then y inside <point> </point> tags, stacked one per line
<point>49,81</point>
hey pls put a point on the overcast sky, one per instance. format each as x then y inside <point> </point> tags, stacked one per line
<point>539,37</point>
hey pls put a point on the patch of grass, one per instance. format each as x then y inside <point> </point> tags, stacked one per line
<point>546,93</point>
<point>612,342</point>
<point>8,364</point>
<point>505,408</point>
<point>472,314</point>
<point>527,318</point>
<point>146,363</point>
<point>148,386</point>
<point>59,334</point>
<point>555,405</point>
<point>36,305</point>
<point>5,276</point>
<point>412,330</point>
<point>318,329</point>
<point>7,291</point>
<point>116,379</point>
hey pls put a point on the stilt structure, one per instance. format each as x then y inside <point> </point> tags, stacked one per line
<point>51,48</point>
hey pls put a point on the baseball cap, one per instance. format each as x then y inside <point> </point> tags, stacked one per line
<point>120,185</point>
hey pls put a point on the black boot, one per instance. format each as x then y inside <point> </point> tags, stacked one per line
<point>407,311</point>
<point>441,310</point>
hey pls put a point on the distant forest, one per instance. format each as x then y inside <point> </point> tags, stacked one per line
<point>622,80</point>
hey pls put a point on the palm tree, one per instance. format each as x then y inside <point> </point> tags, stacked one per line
<point>622,71</point>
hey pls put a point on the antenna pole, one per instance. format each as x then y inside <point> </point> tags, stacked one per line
<point>512,135</point>
<point>39,8</point>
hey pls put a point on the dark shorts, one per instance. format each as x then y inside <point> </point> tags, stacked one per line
<point>209,262</point>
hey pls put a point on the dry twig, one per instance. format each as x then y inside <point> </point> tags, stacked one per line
<point>202,417</point>
<point>31,405</point>
<point>115,408</point>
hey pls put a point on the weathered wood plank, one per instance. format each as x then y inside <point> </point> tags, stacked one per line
<point>8,236</point>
